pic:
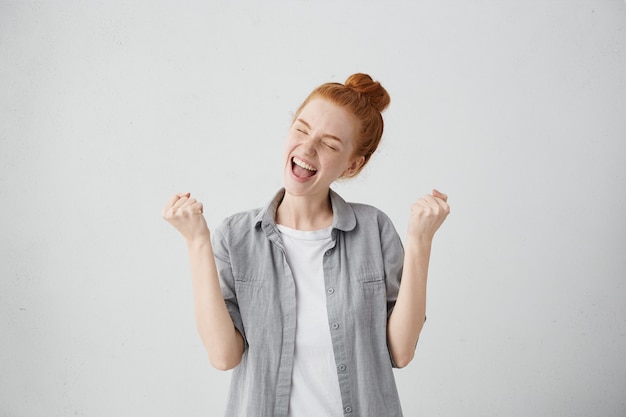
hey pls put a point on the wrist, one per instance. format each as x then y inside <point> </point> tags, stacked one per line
<point>419,242</point>
<point>200,241</point>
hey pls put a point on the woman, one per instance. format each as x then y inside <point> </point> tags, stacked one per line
<point>311,299</point>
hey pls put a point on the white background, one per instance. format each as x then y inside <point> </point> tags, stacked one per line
<point>516,109</point>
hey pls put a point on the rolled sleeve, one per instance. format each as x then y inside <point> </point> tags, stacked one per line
<point>227,281</point>
<point>393,258</point>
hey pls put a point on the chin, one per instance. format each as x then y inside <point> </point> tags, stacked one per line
<point>294,189</point>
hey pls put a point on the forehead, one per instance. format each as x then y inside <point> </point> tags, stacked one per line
<point>329,118</point>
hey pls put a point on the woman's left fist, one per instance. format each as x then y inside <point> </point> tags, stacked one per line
<point>427,215</point>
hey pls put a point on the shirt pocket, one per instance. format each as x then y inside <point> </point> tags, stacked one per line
<point>372,306</point>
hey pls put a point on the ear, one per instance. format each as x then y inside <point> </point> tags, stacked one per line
<point>354,167</point>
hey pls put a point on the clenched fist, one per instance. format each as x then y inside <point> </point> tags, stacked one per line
<point>185,214</point>
<point>427,215</point>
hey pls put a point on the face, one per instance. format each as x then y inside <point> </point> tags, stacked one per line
<point>320,148</point>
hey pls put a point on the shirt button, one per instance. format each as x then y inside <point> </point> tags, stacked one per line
<point>342,367</point>
<point>335,326</point>
<point>348,409</point>
<point>330,290</point>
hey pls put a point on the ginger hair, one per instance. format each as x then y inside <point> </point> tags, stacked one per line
<point>366,99</point>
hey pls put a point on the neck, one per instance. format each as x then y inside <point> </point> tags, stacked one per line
<point>305,212</point>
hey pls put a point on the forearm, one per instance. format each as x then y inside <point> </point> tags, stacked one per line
<point>407,318</point>
<point>221,339</point>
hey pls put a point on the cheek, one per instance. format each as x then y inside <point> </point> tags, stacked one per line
<point>287,149</point>
<point>339,164</point>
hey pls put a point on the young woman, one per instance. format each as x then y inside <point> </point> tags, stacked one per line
<point>311,299</point>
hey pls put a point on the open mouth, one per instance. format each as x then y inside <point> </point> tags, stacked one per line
<point>301,169</point>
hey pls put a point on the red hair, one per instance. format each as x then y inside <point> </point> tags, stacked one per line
<point>366,99</point>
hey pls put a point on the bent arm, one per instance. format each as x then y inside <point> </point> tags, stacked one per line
<point>221,339</point>
<point>407,318</point>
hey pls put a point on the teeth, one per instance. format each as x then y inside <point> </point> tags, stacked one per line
<point>303,164</point>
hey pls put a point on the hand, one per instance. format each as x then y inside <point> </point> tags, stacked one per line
<point>185,214</point>
<point>427,215</point>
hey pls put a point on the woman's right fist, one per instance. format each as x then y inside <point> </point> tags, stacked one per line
<point>185,214</point>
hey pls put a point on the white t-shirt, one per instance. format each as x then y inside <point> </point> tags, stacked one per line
<point>314,384</point>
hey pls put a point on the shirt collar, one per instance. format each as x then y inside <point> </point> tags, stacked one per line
<point>344,218</point>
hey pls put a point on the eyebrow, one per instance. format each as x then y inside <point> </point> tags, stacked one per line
<point>326,135</point>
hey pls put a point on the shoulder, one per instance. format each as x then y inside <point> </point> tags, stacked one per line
<point>368,214</point>
<point>237,225</point>
<point>376,234</point>
<point>244,219</point>
<point>371,221</point>
<point>351,215</point>
<point>366,209</point>
<point>241,226</point>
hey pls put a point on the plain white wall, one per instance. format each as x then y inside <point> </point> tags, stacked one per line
<point>516,109</point>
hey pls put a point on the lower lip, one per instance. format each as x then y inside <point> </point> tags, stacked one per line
<point>295,177</point>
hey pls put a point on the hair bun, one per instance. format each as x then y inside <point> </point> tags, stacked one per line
<point>372,90</point>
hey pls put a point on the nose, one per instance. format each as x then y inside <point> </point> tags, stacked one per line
<point>309,145</point>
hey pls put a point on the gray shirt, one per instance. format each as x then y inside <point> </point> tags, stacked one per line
<point>362,273</point>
